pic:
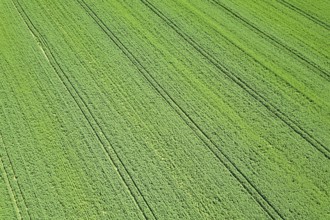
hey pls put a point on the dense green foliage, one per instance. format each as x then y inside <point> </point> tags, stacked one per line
<point>149,109</point>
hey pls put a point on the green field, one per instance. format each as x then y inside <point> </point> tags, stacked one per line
<point>150,109</point>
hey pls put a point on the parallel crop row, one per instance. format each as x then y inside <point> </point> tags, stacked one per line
<point>105,142</point>
<point>223,158</point>
<point>149,109</point>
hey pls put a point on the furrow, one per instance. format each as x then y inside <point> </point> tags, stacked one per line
<point>111,153</point>
<point>25,207</point>
<point>303,13</point>
<point>219,154</point>
<point>323,73</point>
<point>241,83</point>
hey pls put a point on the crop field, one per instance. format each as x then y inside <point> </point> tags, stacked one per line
<point>151,109</point>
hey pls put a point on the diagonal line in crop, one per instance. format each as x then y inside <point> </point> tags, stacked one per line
<point>212,146</point>
<point>107,147</point>
<point>265,66</point>
<point>323,73</point>
<point>245,86</point>
<point>305,14</point>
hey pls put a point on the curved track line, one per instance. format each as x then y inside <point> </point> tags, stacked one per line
<point>241,83</point>
<point>305,14</point>
<point>218,153</point>
<point>112,154</point>
<point>323,73</point>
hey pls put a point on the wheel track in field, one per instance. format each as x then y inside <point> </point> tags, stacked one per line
<point>241,83</point>
<point>323,73</point>
<point>265,67</point>
<point>111,153</point>
<point>11,190</point>
<point>133,109</point>
<point>218,153</point>
<point>305,14</point>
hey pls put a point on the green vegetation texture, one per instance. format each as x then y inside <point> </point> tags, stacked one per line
<point>150,109</point>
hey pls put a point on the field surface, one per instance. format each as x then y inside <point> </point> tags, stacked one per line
<point>150,109</point>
